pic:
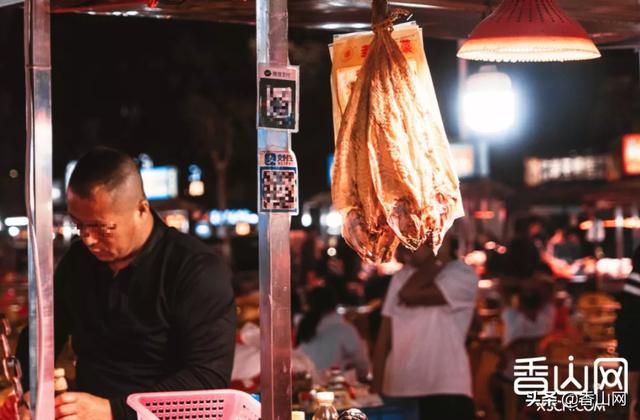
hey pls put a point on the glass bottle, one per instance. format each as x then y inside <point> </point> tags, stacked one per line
<point>325,410</point>
<point>59,381</point>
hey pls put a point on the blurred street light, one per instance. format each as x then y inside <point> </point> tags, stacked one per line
<point>489,107</point>
<point>488,101</point>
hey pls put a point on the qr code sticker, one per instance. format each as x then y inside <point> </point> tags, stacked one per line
<point>277,104</point>
<point>279,190</point>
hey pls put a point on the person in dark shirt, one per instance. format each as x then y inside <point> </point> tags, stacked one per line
<point>147,308</point>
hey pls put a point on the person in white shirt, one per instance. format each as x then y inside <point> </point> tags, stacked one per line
<point>532,318</point>
<point>328,339</point>
<point>246,360</point>
<point>420,352</point>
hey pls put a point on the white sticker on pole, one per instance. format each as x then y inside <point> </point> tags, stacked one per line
<point>278,97</point>
<point>278,182</point>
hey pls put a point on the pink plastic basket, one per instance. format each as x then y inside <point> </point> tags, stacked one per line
<point>219,404</point>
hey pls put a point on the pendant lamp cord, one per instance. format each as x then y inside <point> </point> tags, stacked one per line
<point>489,9</point>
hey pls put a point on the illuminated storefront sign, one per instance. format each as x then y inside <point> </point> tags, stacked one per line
<point>232,217</point>
<point>631,154</point>
<point>575,168</point>
<point>160,182</point>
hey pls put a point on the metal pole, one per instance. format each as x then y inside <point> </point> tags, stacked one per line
<point>483,157</point>
<point>275,258</point>
<point>37,49</point>
<point>463,73</point>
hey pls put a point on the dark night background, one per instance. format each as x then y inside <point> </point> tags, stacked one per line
<point>177,89</point>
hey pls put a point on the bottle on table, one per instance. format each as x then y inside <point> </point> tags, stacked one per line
<point>340,388</point>
<point>297,415</point>
<point>325,410</point>
<point>59,381</point>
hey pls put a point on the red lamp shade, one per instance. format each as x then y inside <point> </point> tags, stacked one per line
<point>528,30</point>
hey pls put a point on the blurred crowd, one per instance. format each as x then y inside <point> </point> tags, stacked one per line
<point>405,328</point>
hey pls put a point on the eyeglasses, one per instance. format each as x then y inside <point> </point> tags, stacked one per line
<point>96,229</point>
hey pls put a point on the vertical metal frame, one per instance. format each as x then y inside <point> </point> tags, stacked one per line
<point>275,257</point>
<point>37,49</point>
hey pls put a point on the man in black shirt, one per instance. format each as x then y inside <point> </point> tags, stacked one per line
<point>147,308</point>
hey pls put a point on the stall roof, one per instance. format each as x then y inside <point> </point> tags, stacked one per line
<point>612,23</point>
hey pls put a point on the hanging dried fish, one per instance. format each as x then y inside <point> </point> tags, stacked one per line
<point>393,178</point>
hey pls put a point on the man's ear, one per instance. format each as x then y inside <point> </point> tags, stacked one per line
<point>144,207</point>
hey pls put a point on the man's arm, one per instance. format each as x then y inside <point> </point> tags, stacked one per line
<point>85,406</point>
<point>421,290</point>
<point>204,324</point>
<point>382,349</point>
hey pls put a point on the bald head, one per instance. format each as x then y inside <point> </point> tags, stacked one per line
<point>110,171</point>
